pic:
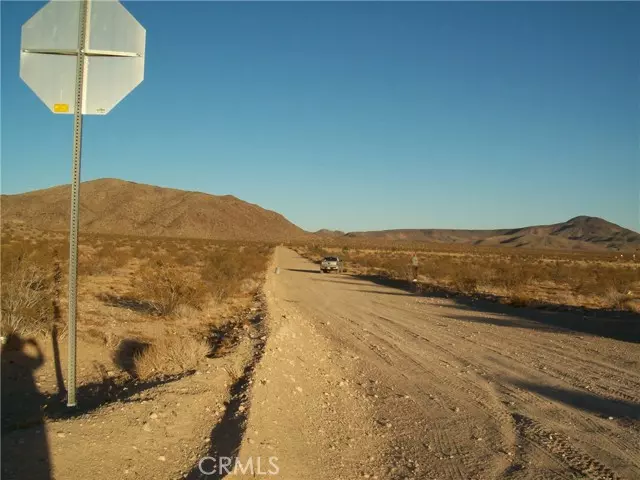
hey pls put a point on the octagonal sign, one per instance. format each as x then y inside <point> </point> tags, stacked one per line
<point>114,55</point>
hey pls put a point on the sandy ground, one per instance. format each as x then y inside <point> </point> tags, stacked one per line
<point>138,429</point>
<point>348,379</point>
<point>365,381</point>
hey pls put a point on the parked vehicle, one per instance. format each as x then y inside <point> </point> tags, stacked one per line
<point>331,264</point>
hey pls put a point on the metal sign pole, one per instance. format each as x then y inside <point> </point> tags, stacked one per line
<point>108,42</point>
<point>83,34</point>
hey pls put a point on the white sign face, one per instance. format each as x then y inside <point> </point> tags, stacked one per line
<point>114,55</point>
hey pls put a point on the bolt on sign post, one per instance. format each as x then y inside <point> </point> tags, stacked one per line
<point>81,57</point>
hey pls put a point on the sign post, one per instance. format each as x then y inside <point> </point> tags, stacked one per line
<point>81,57</point>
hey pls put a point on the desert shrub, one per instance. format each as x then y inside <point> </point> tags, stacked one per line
<point>465,281</point>
<point>227,269</point>
<point>519,298</point>
<point>616,299</point>
<point>632,305</point>
<point>510,276</point>
<point>141,250</point>
<point>170,355</point>
<point>604,281</point>
<point>171,250</point>
<point>166,287</point>
<point>188,314</point>
<point>394,267</point>
<point>560,273</point>
<point>27,295</point>
<point>186,258</point>
<point>103,262</point>
<point>437,268</point>
<point>316,252</point>
<point>623,280</point>
<point>369,260</point>
<point>222,273</point>
<point>346,256</point>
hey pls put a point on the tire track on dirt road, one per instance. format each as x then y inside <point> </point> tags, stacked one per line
<point>548,357</point>
<point>306,410</point>
<point>430,388</point>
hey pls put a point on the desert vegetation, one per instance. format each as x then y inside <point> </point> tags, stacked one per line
<point>166,293</point>
<point>27,294</point>
<point>597,280</point>
<point>170,355</point>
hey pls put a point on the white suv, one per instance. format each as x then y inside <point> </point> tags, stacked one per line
<point>331,264</point>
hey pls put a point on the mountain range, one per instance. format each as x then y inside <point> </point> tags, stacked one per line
<point>578,233</point>
<point>121,207</point>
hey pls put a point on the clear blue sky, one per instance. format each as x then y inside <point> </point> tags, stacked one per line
<point>363,115</point>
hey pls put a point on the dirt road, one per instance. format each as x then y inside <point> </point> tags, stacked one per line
<point>360,380</point>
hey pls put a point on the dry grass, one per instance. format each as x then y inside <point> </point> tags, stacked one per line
<point>105,260</point>
<point>130,289</point>
<point>170,355</point>
<point>28,296</point>
<point>582,279</point>
<point>166,287</point>
<point>632,305</point>
<point>230,269</point>
<point>165,272</point>
<point>520,298</point>
<point>142,275</point>
<point>616,299</point>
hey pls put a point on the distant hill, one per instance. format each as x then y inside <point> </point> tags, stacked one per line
<point>121,207</point>
<point>329,233</point>
<point>579,233</point>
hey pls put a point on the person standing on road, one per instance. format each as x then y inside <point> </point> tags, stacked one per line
<point>414,267</point>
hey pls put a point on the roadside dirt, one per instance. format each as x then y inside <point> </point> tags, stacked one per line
<point>360,380</point>
<point>308,410</point>
<point>343,378</point>
<point>122,428</point>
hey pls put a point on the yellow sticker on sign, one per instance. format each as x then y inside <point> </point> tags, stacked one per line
<point>61,108</point>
